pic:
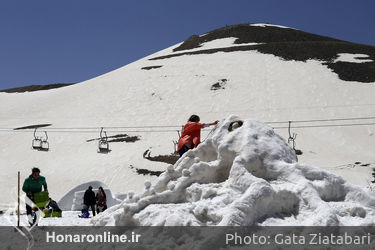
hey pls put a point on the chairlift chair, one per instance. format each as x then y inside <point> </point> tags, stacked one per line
<point>45,143</point>
<point>292,140</point>
<point>37,142</point>
<point>103,145</point>
<point>40,143</point>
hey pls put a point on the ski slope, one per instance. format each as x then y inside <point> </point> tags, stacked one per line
<point>151,104</point>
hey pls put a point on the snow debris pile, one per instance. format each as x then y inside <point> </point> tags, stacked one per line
<point>243,174</point>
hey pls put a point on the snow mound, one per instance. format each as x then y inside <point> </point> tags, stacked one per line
<point>243,174</point>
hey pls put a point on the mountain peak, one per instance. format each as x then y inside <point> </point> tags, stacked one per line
<point>288,44</point>
<point>252,33</point>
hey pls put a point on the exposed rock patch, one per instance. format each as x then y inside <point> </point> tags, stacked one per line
<point>143,171</point>
<point>32,88</point>
<point>152,67</point>
<point>119,138</point>
<point>219,85</point>
<point>170,159</point>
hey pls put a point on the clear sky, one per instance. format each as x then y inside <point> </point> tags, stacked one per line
<point>66,41</point>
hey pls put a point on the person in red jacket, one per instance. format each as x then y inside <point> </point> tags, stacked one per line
<point>191,134</point>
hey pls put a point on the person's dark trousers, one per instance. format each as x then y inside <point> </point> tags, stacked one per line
<point>29,211</point>
<point>87,207</point>
<point>183,150</point>
<point>93,209</point>
<point>28,208</point>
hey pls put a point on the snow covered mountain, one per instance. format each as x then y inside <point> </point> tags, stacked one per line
<point>270,73</point>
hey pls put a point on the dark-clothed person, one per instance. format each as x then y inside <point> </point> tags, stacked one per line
<point>89,200</point>
<point>52,206</point>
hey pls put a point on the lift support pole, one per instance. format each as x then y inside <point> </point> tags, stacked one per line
<point>18,209</point>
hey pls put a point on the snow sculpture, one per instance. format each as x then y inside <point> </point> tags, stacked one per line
<point>244,174</point>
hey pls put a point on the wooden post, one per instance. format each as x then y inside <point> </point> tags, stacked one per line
<point>18,210</point>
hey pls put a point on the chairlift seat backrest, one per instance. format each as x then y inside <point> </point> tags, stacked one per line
<point>103,144</point>
<point>37,143</point>
<point>45,146</point>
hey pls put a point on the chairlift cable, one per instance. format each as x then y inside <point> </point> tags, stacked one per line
<point>324,120</point>
<point>328,125</point>
<point>141,129</point>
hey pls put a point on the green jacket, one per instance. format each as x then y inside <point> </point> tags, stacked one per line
<point>34,186</point>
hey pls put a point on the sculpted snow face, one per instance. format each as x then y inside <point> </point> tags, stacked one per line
<point>244,174</point>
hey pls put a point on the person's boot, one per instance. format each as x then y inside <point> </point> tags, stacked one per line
<point>30,219</point>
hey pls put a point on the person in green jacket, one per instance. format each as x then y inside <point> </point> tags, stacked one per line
<point>33,184</point>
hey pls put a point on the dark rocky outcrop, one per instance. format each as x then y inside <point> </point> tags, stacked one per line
<point>32,88</point>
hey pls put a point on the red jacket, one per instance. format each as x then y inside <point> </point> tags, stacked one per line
<point>190,134</point>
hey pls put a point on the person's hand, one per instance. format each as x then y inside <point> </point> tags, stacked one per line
<point>215,122</point>
<point>30,195</point>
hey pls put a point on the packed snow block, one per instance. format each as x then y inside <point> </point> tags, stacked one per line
<point>78,201</point>
<point>41,199</point>
<point>244,174</point>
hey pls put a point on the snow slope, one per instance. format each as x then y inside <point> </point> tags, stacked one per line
<point>244,174</point>
<point>141,102</point>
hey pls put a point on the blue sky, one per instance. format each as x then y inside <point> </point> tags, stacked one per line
<point>66,41</point>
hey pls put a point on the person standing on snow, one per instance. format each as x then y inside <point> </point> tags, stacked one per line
<point>191,134</point>
<point>33,184</point>
<point>89,200</point>
<point>101,200</point>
